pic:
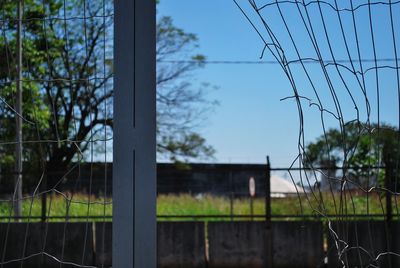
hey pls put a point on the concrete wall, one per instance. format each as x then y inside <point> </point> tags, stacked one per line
<point>231,244</point>
<point>297,242</point>
<point>362,242</point>
<point>236,244</point>
<point>22,243</point>
<point>395,243</point>
<point>247,244</point>
<point>102,250</point>
<point>181,245</point>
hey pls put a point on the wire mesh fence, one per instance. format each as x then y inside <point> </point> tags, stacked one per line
<point>352,92</point>
<point>56,89</point>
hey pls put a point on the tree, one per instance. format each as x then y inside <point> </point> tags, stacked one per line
<point>68,86</point>
<point>356,148</point>
<point>180,105</point>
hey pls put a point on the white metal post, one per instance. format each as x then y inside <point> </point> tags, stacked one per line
<point>134,167</point>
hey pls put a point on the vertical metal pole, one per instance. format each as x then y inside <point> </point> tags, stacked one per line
<point>268,194</point>
<point>231,193</point>
<point>389,174</point>
<point>252,208</point>
<point>268,225</point>
<point>134,170</point>
<point>388,194</point>
<point>44,199</point>
<point>17,198</point>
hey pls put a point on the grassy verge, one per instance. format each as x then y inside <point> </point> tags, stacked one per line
<point>59,206</point>
<point>84,206</point>
<point>324,204</point>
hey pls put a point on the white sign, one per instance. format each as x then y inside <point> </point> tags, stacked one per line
<point>252,187</point>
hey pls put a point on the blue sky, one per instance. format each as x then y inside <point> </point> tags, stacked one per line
<point>251,121</point>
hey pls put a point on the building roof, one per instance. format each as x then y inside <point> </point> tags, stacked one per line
<point>280,185</point>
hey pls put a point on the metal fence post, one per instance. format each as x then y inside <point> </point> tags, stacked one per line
<point>268,193</point>
<point>231,194</point>
<point>134,170</point>
<point>268,226</point>
<point>388,195</point>
<point>44,199</point>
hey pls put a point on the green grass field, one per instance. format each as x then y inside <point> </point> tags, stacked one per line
<point>187,205</point>
<point>305,205</point>
<point>59,206</point>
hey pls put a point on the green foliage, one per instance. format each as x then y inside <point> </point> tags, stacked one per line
<point>358,146</point>
<point>64,99</point>
<point>35,112</point>
<point>190,145</point>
